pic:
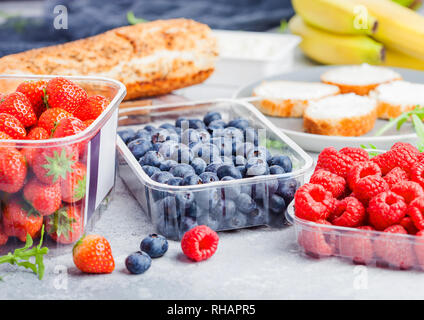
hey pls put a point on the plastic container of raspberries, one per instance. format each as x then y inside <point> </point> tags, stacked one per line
<point>37,190</point>
<point>234,186</point>
<point>399,246</point>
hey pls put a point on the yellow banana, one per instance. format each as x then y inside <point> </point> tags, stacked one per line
<point>330,48</point>
<point>338,16</point>
<point>399,28</point>
<point>401,60</point>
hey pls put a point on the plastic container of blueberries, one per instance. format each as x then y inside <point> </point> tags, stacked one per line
<point>97,155</point>
<point>371,248</point>
<point>172,221</point>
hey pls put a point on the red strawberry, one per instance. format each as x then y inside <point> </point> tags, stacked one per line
<point>18,105</point>
<point>13,170</point>
<point>65,94</point>
<point>45,198</point>
<point>51,117</point>
<point>38,133</point>
<point>92,254</point>
<point>88,122</point>
<point>92,108</point>
<point>5,136</point>
<point>73,186</point>
<point>51,165</point>
<point>69,127</point>
<point>65,225</point>
<point>19,219</point>
<point>34,91</point>
<point>12,126</point>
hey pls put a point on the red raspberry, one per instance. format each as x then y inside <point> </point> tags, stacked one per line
<point>416,212</point>
<point>417,173</point>
<point>357,245</point>
<point>394,250</point>
<point>313,202</point>
<point>360,170</point>
<point>317,241</point>
<point>403,155</point>
<point>386,209</point>
<point>419,248</point>
<point>368,187</point>
<point>408,190</point>
<point>357,154</point>
<point>408,224</point>
<point>330,181</point>
<point>200,243</point>
<point>348,212</point>
<point>395,175</point>
<point>331,160</point>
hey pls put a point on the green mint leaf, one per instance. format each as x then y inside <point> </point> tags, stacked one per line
<point>132,19</point>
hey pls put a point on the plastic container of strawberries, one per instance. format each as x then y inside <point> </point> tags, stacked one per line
<point>149,193</point>
<point>96,153</point>
<point>372,248</point>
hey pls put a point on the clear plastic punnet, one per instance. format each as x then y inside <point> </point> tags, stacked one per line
<point>89,154</point>
<point>211,203</point>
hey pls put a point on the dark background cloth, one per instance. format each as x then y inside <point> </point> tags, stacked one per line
<point>90,17</point>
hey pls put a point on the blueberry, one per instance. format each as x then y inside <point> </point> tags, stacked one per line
<point>126,135</point>
<point>208,152</point>
<point>139,147</point>
<point>276,170</point>
<point>187,224</point>
<point>282,161</point>
<point>173,137</point>
<point>167,165</point>
<point>234,134</point>
<point>168,126</point>
<point>251,136</point>
<point>160,135</point>
<point>245,203</point>
<point>175,181</point>
<point>260,190</point>
<point>189,136</point>
<point>242,170</point>
<point>256,167</point>
<point>277,203</point>
<point>208,177</point>
<point>211,116</point>
<point>227,160</point>
<point>236,221</point>
<point>213,167</point>
<point>287,189</point>
<point>224,209</point>
<point>256,217</point>
<point>223,145</point>
<point>204,135</point>
<point>191,180</point>
<point>181,122</point>
<point>154,245</point>
<point>161,177</point>
<point>230,192</point>
<point>228,170</point>
<point>239,161</point>
<point>150,128</point>
<point>259,152</point>
<point>185,199</point>
<point>209,221</point>
<point>157,146</point>
<point>167,208</point>
<point>207,199</point>
<point>182,170</point>
<point>152,158</point>
<point>167,148</point>
<point>216,127</point>
<point>244,148</point>
<point>182,154</point>
<point>240,123</point>
<point>138,262</point>
<point>196,124</point>
<point>199,165</point>
<point>150,170</point>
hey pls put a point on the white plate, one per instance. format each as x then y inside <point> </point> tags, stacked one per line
<point>293,127</point>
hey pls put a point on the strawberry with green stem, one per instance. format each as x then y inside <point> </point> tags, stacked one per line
<point>45,198</point>
<point>65,225</point>
<point>73,186</point>
<point>51,117</point>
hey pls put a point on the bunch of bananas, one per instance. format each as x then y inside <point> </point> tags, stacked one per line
<point>379,32</point>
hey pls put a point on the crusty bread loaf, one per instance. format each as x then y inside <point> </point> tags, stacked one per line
<point>290,98</point>
<point>342,115</point>
<point>359,79</point>
<point>397,97</point>
<point>149,58</point>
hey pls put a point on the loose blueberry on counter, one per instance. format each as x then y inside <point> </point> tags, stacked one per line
<point>256,167</point>
<point>191,180</point>
<point>162,176</point>
<point>182,154</point>
<point>152,158</point>
<point>138,262</point>
<point>199,165</point>
<point>167,165</point>
<point>211,116</point>
<point>154,245</point>
<point>228,170</point>
<point>230,192</point>
<point>126,135</point>
<point>150,170</point>
<point>245,203</point>
<point>274,169</point>
<point>287,189</point>
<point>282,161</point>
<point>277,203</point>
<point>208,177</point>
<point>182,170</point>
<point>139,147</point>
<point>175,181</point>
<point>240,123</point>
<point>259,152</point>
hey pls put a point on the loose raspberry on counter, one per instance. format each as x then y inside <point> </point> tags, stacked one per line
<point>357,154</point>
<point>332,160</point>
<point>395,176</point>
<point>360,170</point>
<point>368,187</point>
<point>313,202</point>
<point>317,242</point>
<point>416,212</point>
<point>348,212</point>
<point>396,252</point>
<point>386,209</point>
<point>357,246</point>
<point>408,190</point>
<point>330,181</point>
<point>200,243</point>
